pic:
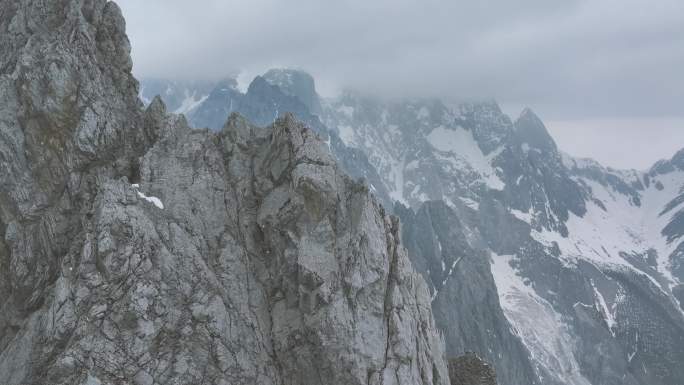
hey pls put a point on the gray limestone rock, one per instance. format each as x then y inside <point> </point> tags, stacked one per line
<point>135,249</point>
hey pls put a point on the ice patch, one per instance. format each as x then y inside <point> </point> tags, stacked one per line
<point>446,279</point>
<point>154,200</point>
<point>526,217</point>
<point>602,235</point>
<point>571,162</point>
<point>470,203</point>
<point>462,148</point>
<point>542,330</point>
<point>347,135</point>
<point>630,356</point>
<point>190,103</point>
<point>605,310</point>
<point>329,143</point>
<point>397,176</point>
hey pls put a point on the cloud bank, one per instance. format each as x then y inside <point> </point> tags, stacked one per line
<point>576,61</point>
<point>575,58</point>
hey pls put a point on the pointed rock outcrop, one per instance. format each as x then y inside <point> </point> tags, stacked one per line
<point>531,130</point>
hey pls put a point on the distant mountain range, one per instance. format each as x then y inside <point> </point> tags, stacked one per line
<point>556,270</point>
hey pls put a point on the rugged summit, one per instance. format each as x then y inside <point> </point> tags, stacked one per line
<point>134,249</point>
<point>296,83</point>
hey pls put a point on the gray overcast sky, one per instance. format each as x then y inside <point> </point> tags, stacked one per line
<point>620,143</point>
<point>584,65</point>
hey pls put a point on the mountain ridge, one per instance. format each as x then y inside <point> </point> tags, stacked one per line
<point>146,96</point>
<point>573,248</point>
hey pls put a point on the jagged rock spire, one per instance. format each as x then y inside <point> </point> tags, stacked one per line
<point>531,130</point>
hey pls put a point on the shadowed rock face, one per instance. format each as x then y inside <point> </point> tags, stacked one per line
<point>134,249</point>
<point>298,84</point>
<point>69,115</point>
<point>465,301</point>
<point>470,369</point>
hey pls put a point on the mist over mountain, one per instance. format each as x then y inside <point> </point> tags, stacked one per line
<point>578,58</point>
<point>182,230</point>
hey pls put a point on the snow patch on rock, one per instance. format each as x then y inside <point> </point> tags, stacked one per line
<point>462,150</point>
<point>154,200</point>
<point>542,330</point>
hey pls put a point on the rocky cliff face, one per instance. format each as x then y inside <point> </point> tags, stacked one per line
<point>135,249</point>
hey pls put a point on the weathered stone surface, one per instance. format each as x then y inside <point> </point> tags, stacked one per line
<point>137,250</point>
<point>470,369</point>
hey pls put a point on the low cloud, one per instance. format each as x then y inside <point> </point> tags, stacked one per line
<point>575,62</point>
<point>620,143</point>
<point>569,59</point>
